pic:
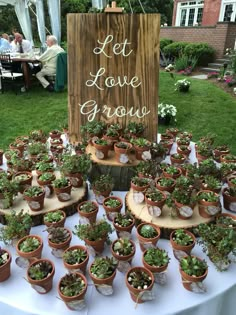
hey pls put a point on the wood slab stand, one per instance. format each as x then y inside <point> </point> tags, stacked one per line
<point>165,221</point>
<point>50,204</point>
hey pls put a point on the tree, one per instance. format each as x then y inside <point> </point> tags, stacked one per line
<point>164,7</point>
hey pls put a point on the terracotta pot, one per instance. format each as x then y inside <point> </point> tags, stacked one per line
<point>60,223</point>
<point>77,267</point>
<point>20,146</point>
<point>101,195</point>
<point>61,246</point>
<point>203,206</point>
<point>167,144</point>
<point>36,203</point>
<point>226,215</point>
<point>64,193</point>
<point>229,202</point>
<point>47,185</point>
<point>75,179</point>
<point>181,210</point>
<point>101,150</point>
<point>128,257</point>
<point>177,161</point>
<point>139,152</point>
<point>97,245</point>
<point>167,136</point>
<point>33,254</point>
<point>91,216</point>
<point>184,152</point>
<point>98,281</point>
<point>188,280</point>
<point>55,135</point>
<point>224,160</point>
<point>119,229</point>
<point>229,181</point>
<point>159,204</point>
<point>153,269</point>
<point>165,188</point>
<point>185,248</point>
<point>217,154</point>
<point>147,242</point>
<point>24,183</point>
<point>122,155</point>
<point>112,212</point>
<point>135,293</point>
<point>165,174</point>
<point>71,299</point>
<point>45,285</point>
<point>172,132</point>
<point>5,270</point>
<point>139,188</point>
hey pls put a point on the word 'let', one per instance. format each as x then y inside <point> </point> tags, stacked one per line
<point>118,48</point>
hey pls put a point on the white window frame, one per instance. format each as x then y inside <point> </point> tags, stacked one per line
<point>222,10</point>
<point>187,7</point>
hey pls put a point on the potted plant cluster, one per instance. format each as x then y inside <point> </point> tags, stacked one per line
<point>148,235</point>
<point>72,289</point>
<point>40,275</point>
<point>208,203</point>
<point>45,180</point>
<point>102,271</point>
<point>55,218</point>
<point>62,187</point>
<point>182,241</point>
<point>135,129</point>
<point>102,187</point>
<point>88,210</point>
<point>139,282</point>
<point>5,264</point>
<point>18,225</point>
<point>141,145</point>
<point>112,206</point>
<point>34,195</point>
<point>193,271</point>
<point>122,150</point>
<point>30,247</point>
<point>123,250</point>
<point>218,242</point>
<point>95,234</point>
<point>59,239</point>
<point>123,224</point>
<point>148,169</point>
<point>75,258</point>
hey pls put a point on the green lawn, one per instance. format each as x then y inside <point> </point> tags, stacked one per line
<point>205,109</point>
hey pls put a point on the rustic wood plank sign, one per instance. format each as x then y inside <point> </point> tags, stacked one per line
<point>113,70</point>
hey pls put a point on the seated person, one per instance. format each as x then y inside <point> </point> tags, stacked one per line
<point>4,45</point>
<point>21,45</point>
<point>49,60</point>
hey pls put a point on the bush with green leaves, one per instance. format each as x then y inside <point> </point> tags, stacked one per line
<point>164,42</point>
<point>202,51</point>
<point>175,49</point>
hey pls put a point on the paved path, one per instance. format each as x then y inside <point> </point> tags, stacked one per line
<point>200,76</point>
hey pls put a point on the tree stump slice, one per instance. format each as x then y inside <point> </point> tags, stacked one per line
<point>166,222</point>
<point>50,204</point>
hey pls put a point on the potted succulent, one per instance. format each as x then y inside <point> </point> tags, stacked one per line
<point>203,151</point>
<point>30,247</point>
<point>55,218</point>
<point>172,131</point>
<point>75,258</point>
<point>184,201</point>
<point>18,225</point>
<point>112,206</point>
<point>156,260</point>
<point>220,150</point>
<point>226,220</point>
<point>139,184</point>
<point>8,190</point>
<point>17,146</point>
<point>148,235</point>
<point>59,239</point>
<point>182,241</point>
<point>148,169</point>
<point>184,150</point>
<point>123,223</point>
<point>43,167</point>
<point>40,275</point>
<point>231,181</point>
<point>228,158</point>
<point>218,242</point>
<point>193,271</point>
<point>88,210</point>
<point>177,158</point>
<point>211,183</point>
<point>158,152</point>
<point>55,134</point>
<point>102,147</point>
<point>21,164</point>
<point>229,198</point>
<point>135,129</point>
<point>123,250</point>
<point>227,169</point>
<point>72,289</point>
<point>154,197</point>
<point>141,145</point>
<point>24,179</point>
<point>102,187</point>
<point>102,271</point>
<point>93,128</point>
<point>37,136</point>
<point>139,282</point>
<point>111,134</point>
<point>34,195</point>
<point>35,148</point>
<point>208,203</point>
<point>122,150</point>
<point>172,171</point>
<point>45,180</point>
<point>62,187</point>
<point>76,168</point>
<point>95,234</point>
<point>5,264</point>
<point>165,184</point>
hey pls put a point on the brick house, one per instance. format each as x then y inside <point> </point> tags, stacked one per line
<point>204,13</point>
<point>210,21</point>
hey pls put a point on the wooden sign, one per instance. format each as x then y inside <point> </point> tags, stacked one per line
<point>113,69</point>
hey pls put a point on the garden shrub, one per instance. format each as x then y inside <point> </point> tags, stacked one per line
<point>186,63</point>
<point>175,49</point>
<point>164,42</point>
<point>202,51</point>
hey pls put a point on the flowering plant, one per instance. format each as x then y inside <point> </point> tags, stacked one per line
<point>182,85</point>
<point>166,111</point>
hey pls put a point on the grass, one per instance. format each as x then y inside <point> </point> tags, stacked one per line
<point>205,109</point>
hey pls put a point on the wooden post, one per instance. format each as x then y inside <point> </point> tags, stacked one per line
<point>113,69</point>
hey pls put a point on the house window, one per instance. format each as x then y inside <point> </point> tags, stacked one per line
<point>189,13</point>
<point>228,11</point>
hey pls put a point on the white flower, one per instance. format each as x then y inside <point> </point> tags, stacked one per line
<point>166,110</point>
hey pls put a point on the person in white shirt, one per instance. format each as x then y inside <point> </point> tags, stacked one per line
<point>21,45</point>
<point>4,45</point>
<point>49,61</point>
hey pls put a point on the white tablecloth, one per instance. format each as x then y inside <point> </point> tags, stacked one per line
<point>18,298</point>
